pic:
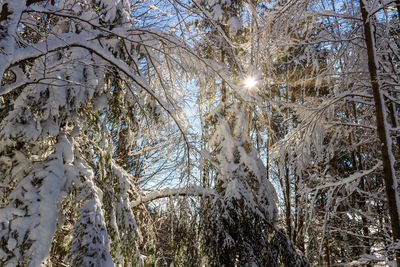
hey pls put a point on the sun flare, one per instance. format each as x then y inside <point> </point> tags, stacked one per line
<point>250,82</point>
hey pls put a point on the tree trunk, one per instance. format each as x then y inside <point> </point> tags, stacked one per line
<point>223,85</point>
<point>327,253</point>
<point>288,202</point>
<point>383,131</point>
<point>298,235</point>
<point>358,166</point>
<point>394,121</point>
<point>267,145</point>
<point>398,8</point>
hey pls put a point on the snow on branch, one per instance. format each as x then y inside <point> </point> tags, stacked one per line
<point>123,67</point>
<point>52,43</point>
<point>351,178</point>
<point>191,190</point>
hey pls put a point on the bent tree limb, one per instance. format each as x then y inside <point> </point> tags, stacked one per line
<point>10,15</point>
<point>389,176</point>
<point>192,190</point>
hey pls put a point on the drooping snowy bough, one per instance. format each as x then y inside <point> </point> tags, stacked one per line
<point>84,85</point>
<point>76,76</point>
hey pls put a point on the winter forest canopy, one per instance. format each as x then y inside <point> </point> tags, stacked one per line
<point>199,133</point>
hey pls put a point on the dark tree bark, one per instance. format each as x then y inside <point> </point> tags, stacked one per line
<point>288,202</point>
<point>398,8</point>
<point>327,253</point>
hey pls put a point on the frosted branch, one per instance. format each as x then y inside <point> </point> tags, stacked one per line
<point>192,190</point>
<point>351,178</point>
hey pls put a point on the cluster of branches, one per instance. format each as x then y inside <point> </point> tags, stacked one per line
<point>335,151</point>
<point>92,98</point>
<point>127,136</point>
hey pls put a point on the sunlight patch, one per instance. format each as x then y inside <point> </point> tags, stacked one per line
<point>250,82</point>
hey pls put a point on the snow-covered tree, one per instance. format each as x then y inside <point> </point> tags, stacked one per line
<point>334,148</point>
<point>156,132</point>
<point>237,226</point>
<point>70,69</point>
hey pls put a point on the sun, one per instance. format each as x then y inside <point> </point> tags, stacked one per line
<point>250,82</point>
